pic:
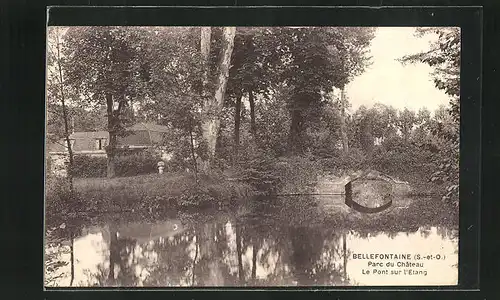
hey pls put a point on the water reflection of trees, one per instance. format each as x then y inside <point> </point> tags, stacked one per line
<point>306,249</point>
<point>230,252</point>
<point>60,241</point>
<point>293,256</point>
<point>318,256</point>
<point>160,262</point>
<point>173,266</point>
<point>211,270</point>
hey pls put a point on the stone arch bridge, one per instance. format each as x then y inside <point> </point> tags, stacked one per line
<point>366,191</point>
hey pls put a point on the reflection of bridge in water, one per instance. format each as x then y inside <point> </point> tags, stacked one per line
<point>366,191</point>
<point>370,175</point>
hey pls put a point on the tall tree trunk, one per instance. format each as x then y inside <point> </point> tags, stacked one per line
<point>132,112</point>
<point>205,38</point>
<point>237,122</point>
<point>213,109</point>
<point>206,33</point>
<point>219,144</point>
<point>111,149</point>
<point>241,274</point>
<point>193,154</point>
<point>343,127</point>
<point>253,126</point>
<point>65,117</point>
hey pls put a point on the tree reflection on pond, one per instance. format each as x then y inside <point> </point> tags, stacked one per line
<point>220,251</point>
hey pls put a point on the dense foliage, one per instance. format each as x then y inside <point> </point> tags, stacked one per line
<point>144,162</point>
<point>444,56</point>
<point>281,117</point>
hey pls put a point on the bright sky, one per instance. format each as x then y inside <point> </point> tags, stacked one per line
<point>387,81</point>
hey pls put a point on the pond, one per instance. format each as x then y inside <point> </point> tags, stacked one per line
<point>241,249</point>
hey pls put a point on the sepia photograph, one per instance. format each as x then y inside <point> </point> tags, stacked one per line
<point>251,156</point>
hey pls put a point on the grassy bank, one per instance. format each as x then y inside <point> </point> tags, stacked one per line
<point>157,192</point>
<point>153,192</point>
<point>253,183</point>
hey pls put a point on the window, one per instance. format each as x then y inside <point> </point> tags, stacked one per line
<point>100,144</point>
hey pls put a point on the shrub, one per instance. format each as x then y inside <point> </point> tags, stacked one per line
<point>58,200</point>
<point>89,166</point>
<point>341,162</point>
<point>137,164</point>
<point>298,174</point>
<point>409,163</point>
<point>268,174</point>
<point>144,162</point>
<point>258,169</point>
<point>178,163</point>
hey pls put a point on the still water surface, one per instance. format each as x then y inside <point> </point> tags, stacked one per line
<point>223,250</point>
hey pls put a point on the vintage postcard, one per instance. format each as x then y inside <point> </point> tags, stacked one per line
<point>252,156</point>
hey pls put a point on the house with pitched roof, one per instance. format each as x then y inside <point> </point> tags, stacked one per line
<point>139,137</point>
